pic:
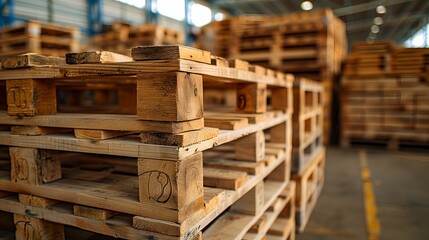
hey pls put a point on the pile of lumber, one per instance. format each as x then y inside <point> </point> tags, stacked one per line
<point>121,37</point>
<point>384,98</point>
<point>308,152</point>
<point>212,172</point>
<point>307,44</point>
<point>41,38</point>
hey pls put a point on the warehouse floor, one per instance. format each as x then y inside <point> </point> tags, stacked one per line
<point>400,187</point>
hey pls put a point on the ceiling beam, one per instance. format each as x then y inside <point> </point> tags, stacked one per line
<point>363,7</point>
<point>406,12</point>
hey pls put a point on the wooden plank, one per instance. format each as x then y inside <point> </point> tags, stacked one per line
<point>36,201</point>
<point>232,225</point>
<point>31,97</point>
<point>170,52</point>
<point>221,163</point>
<point>226,179</point>
<point>117,226</point>
<point>180,139</point>
<point>96,57</point>
<point>102,122</point>
<point>29,60</point>
<point>239,64</point>
<point>211,73</point>
<point>169,97</point>
<point>130,147</point>
<point>99,134</point>
<point>252,118</point>
<point>225,123</point>
<point>92,213</point>
<point>168,228</point>
<point>35,130</point>
<point>212,198</point>
<point>259,225</point>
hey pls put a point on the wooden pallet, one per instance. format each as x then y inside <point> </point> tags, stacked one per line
<point>311,45</point>
<point>307,123</point>
<point>309,185</point>
<point>393,107</point>
<point>168,196</point>
<point>122,37</point>
<point>36,37</point>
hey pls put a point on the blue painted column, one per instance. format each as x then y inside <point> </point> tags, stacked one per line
<point>7,10</point>
<point>95,16</point>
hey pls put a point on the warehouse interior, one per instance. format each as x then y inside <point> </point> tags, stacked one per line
<point>214,119</point>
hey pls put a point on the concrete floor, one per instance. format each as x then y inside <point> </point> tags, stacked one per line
<point>401,188</point>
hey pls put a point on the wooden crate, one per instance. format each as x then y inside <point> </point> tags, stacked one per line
<point>307,123</point>
<point>173,193</point>
<point>37,37</point>
<point>309,185</point>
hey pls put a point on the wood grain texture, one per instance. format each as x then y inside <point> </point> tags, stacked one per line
<point>169,97</point>
<point>102,122</point>
<point>96,57</point>
<point>99,134</point>
<point>170,52</point>
<point>36,131</point>
<point>31,97</point>
<point>212,73</point>
<point>34,228</point>
<point>225,123</point>
<point>222,178</point>
<point>29,60</point>
<point>251,98</point>
<point>33,166</point>
<point>172,184</point>
<point>251,147</point>
<point>36,201</point>
<point>252,202</point>
<point>92,213</point>
<point>180,139</point>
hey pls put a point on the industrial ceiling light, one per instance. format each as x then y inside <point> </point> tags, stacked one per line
<point>375,29</point>
<point>378,21</point>
<point>381,9</point>
<point>306,5</point>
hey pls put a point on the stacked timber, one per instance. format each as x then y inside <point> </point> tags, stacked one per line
<point>41,38</point>
<point>387,107</point>
<point>308,152</point>
<point>218,173</point>
<point>307,44</point>
<point>122,37</point>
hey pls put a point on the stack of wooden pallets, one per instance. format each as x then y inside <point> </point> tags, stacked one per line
<point>307,44</point>
<point>122,37</point>
<point>37,37</point>
<point>308,152</point>
<point>388,107</point>
<point>79,169</point>
<point>370,59</point>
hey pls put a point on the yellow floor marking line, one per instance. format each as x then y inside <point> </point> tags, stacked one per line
<point>372,222</point>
